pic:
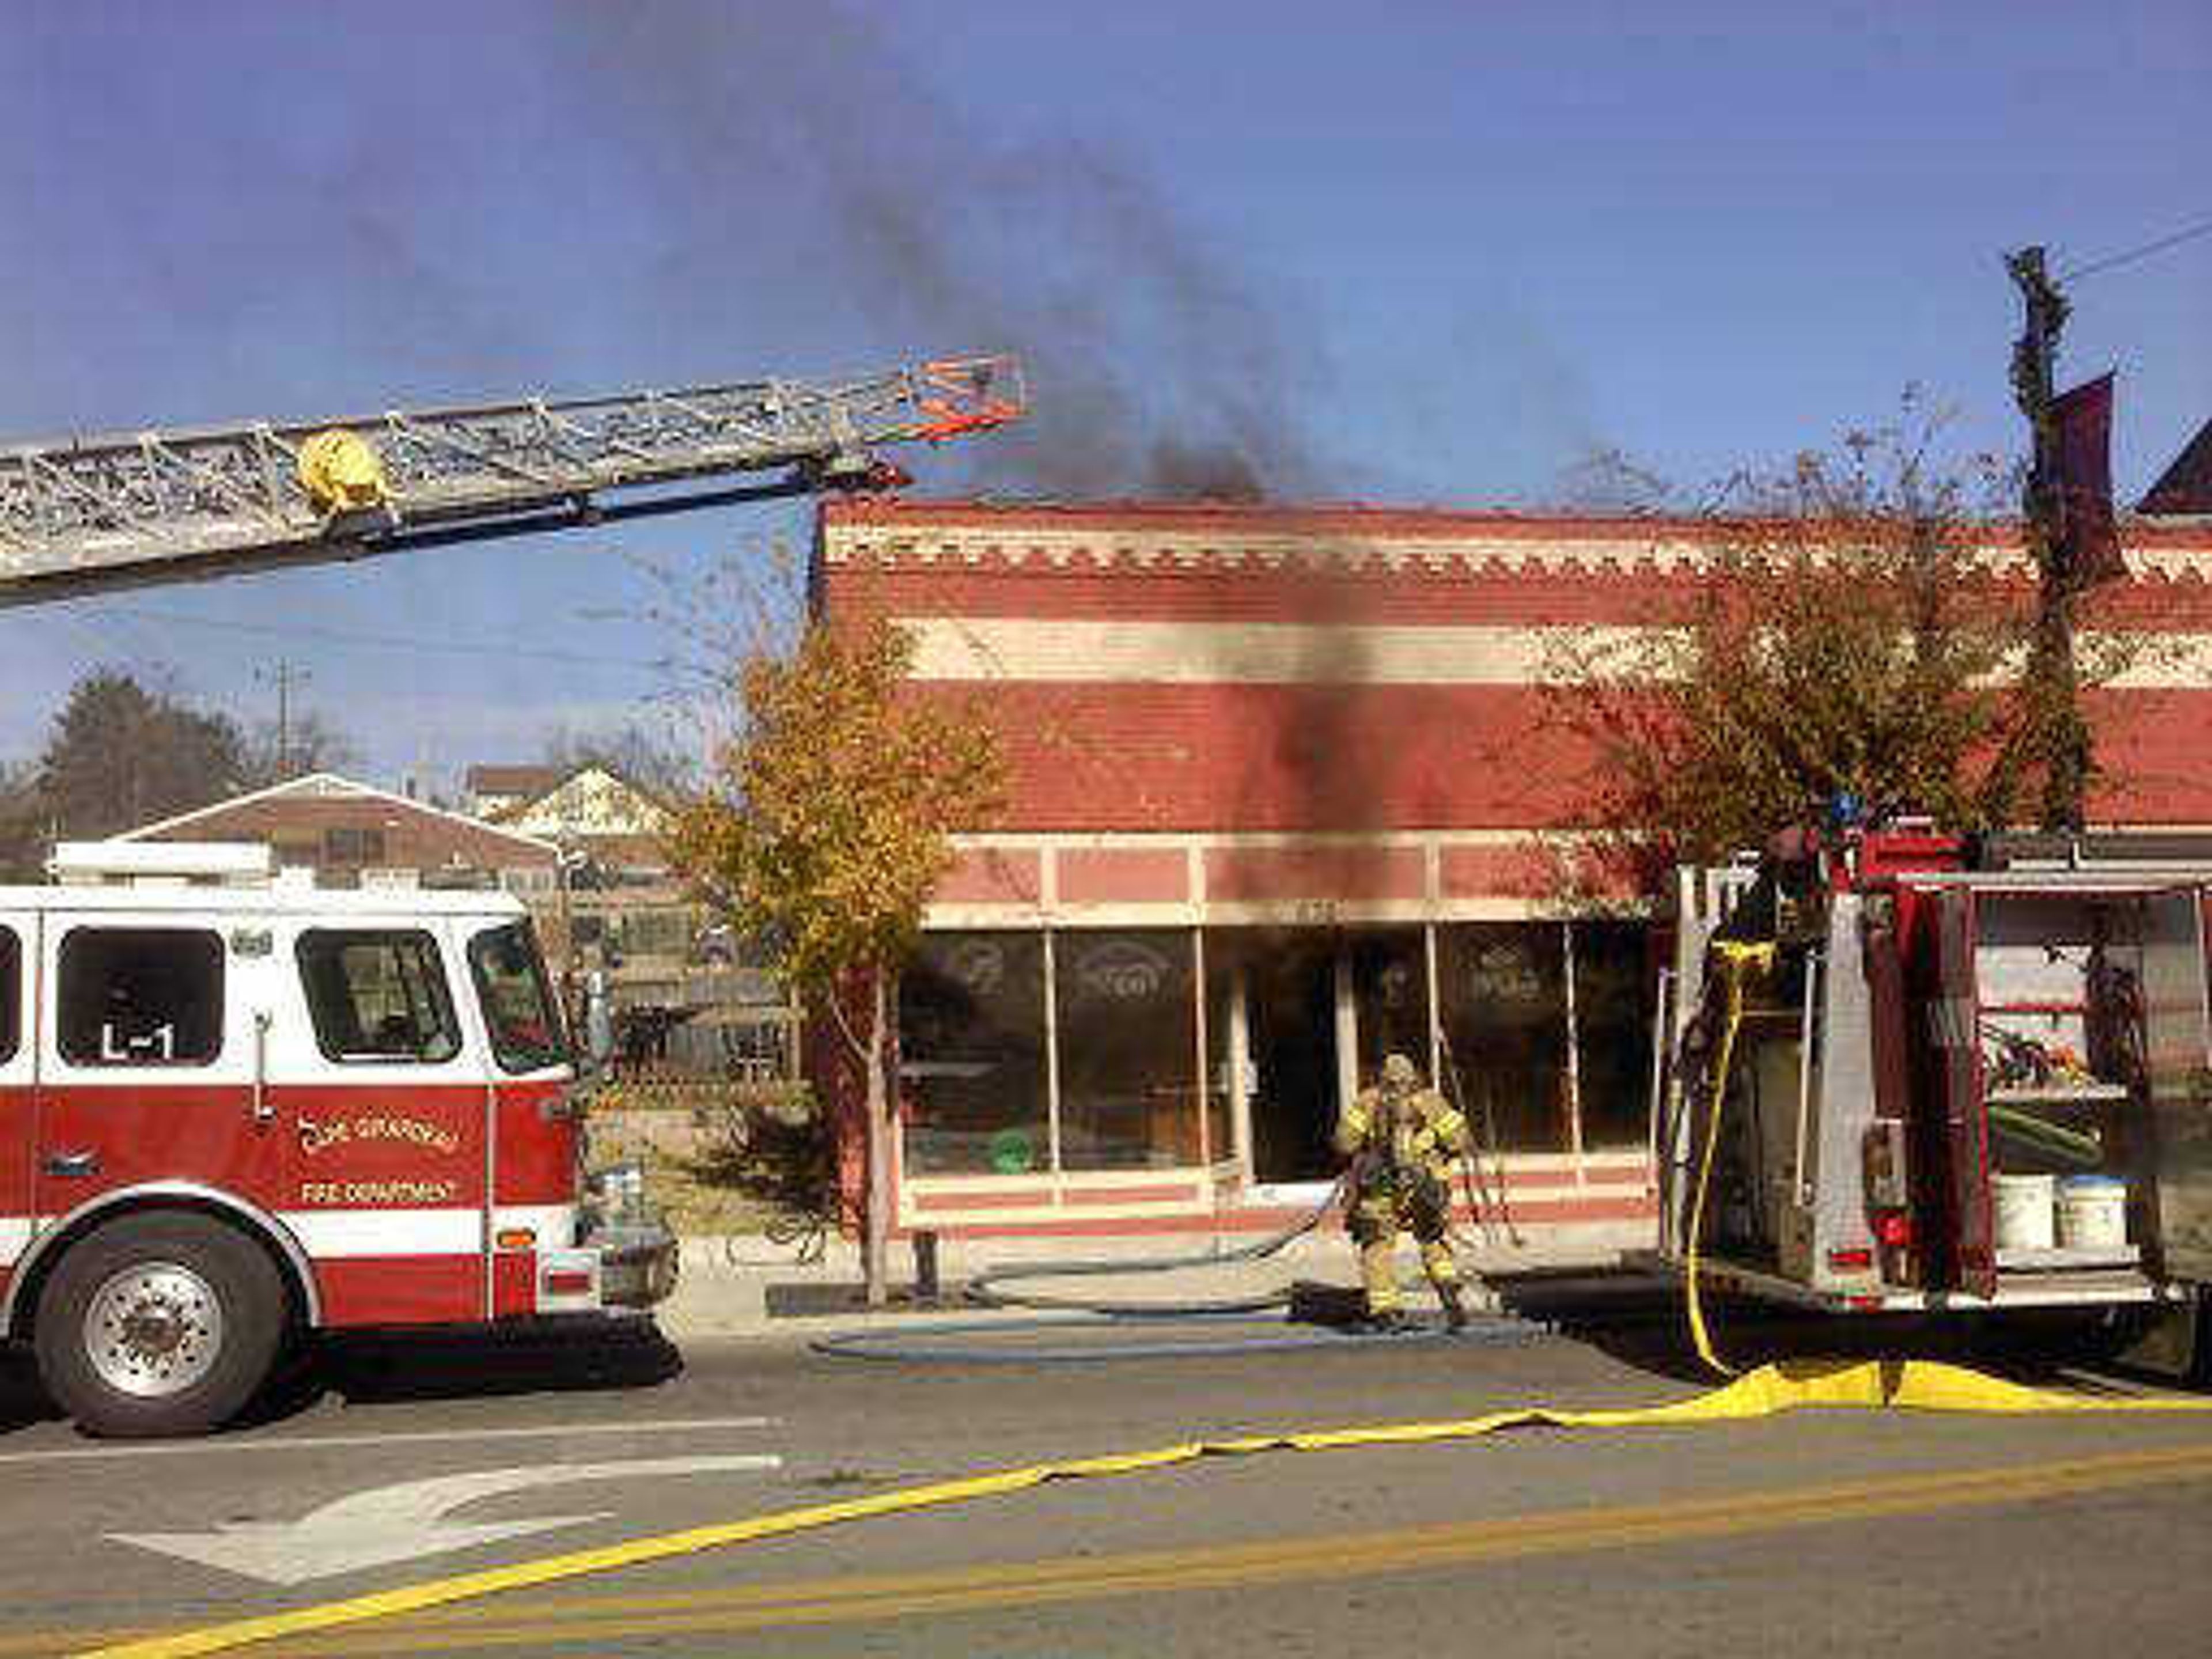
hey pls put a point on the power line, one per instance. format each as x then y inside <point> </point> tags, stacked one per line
<point>2187,233</point>
<point>284,675</point>
<point>484,649</point>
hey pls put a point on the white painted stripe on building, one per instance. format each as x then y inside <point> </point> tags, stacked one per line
<point>1245,654</point>
<point>2164,662</point>
<point>968,649</point>
<point>1080,841</point>
<point>14,1238</point>
<point>332,1234</point>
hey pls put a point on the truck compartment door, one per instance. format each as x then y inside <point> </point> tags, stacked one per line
<point>2178,1051</point>
<point>1954,1017</point>
<point>149,1063</point>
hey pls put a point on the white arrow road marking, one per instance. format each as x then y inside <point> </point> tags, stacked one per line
<point>236,1445</point>
<point>386,1524</point>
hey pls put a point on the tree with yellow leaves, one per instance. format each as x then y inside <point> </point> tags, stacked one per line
<point>824,829</point>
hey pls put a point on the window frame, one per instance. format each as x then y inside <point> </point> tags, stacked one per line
<point>440,985</point>
<point>560,1051</point>
<point>354,844</point>
<point>969,1145</point>
<point>63,1025</point>
<point>1075,1009</point>
<point>12,981</point>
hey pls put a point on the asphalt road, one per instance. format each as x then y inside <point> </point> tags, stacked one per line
<point>1810,1534</point>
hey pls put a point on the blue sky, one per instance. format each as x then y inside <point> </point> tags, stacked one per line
<point>1413,253</point>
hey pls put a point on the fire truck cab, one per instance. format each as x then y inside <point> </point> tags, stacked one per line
<point>1901,1070</point>
<point>235,1109</point>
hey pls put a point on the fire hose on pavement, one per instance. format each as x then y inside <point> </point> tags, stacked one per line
<point>1865,1385</point>
<point>983,1341</point>
<point>1738,962</point>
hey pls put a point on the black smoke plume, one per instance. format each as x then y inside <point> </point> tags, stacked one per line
<point>801,151</point>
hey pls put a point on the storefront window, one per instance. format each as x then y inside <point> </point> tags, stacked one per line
<point>1501,994</point>
<point>1613,1027</point>
<point>971,1066</point>
<point>1128,1084</point>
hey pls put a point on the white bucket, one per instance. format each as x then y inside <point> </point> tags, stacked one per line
<point>2092,1212</point>
<point>2023,1211</point>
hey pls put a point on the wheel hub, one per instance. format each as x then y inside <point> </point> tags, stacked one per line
<point>153,1329</point>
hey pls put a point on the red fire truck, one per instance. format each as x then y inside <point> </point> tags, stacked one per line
<point>235,1109</point>
<point>1903,1070</point>
<point>228,1116</point>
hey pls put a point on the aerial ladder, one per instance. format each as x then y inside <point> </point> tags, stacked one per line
<point>86,516</point>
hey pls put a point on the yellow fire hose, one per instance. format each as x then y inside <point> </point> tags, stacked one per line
<point>1784,1386</point>
<point>1738,962</point>
<point>1867,1385</point>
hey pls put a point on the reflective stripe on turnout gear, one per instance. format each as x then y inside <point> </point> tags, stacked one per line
<point>1419,1130</point>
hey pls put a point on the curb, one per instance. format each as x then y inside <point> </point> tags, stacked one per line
<point>724,1288</point>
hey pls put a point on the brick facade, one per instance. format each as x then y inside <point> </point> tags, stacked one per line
<point>1329,723</point>
<point>338,828</point>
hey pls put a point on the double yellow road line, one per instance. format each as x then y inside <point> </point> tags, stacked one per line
<point>402,1624</point>
<point>1299,1560</point>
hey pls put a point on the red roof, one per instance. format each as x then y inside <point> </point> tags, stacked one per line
<point>2185,488</point>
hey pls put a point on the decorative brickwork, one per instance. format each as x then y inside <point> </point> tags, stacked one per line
<point>1321,736</point>
<point>1188,671</point>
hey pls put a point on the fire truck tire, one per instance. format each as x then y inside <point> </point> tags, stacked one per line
<point>159,1325</point>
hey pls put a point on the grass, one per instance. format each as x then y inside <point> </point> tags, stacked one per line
<point>681,1137</point>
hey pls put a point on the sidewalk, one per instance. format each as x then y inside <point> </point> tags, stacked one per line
<point>744,1286</point>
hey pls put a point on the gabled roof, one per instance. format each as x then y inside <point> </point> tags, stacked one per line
<point>329,786</point>
<point>570,802</point>
<point>2186,488</point>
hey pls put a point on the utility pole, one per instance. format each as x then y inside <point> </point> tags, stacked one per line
<point>284,675</point>
<point>2058,733</point>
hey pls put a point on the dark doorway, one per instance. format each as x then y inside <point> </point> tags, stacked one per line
<point>1291,1002</point>
<point>1391,997</point>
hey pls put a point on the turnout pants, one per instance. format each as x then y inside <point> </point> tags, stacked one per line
<point>1383,1209</point>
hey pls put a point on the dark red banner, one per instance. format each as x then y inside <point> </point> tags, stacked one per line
<point>2089,539</point>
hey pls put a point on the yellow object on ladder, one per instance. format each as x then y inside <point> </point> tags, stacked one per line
<point>341,473</point>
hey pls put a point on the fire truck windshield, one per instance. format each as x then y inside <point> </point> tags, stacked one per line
<point>519,1010</point>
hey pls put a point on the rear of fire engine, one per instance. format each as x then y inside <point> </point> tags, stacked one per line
<point>236,1111</point>
<point>1905,1071</point>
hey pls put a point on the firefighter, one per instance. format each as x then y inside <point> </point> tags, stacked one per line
<point>1403,1140</point>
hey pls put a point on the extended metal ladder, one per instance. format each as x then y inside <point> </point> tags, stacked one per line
<point>86,516</point>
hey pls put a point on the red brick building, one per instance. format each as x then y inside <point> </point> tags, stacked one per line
<point>1279,780</point>
<point>351,834</point>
